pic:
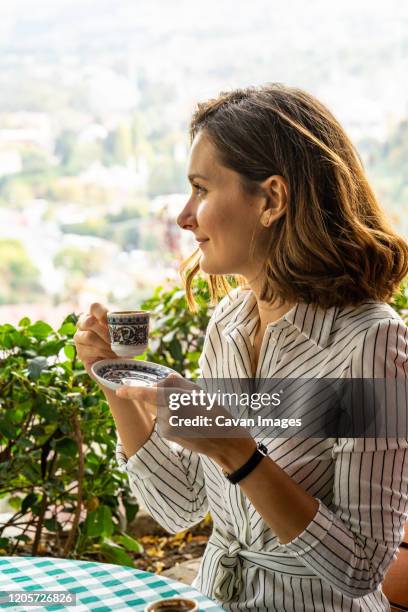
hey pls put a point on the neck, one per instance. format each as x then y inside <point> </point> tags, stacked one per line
<point>268,313</point>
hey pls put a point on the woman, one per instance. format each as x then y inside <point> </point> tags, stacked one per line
<point>280,199</point>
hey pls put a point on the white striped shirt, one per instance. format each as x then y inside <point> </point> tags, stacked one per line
<point>338,562</point>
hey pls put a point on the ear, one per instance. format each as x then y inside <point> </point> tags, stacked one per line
<point>275,200</point>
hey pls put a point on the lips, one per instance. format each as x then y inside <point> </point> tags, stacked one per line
<point>201,242</point>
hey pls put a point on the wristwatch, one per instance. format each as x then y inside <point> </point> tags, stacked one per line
<point>260,452</point>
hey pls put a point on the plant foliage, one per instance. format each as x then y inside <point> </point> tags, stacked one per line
<point>57,451</point>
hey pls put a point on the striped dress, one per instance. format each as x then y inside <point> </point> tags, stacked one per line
<point>338,562</point>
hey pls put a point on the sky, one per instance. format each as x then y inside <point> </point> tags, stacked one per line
<point>209,11</point>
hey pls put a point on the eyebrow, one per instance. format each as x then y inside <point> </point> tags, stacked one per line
<point>191,177</point>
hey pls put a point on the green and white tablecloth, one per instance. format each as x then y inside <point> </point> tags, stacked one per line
<point>100,587</point>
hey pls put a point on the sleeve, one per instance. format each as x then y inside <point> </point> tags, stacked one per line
<point>169,481</point>
<point>351,544</point>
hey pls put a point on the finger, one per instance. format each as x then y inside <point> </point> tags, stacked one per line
<point>90,323</point>
<point>82,320</point>
<point>127,392</point>
<point>89,343</point>
<point>88,363</point>
<point>171,380</point>
<point>100,329</point>
<point>89,338</point>
<point>98,311</point>
<point>175,379</point>
<point>143,394</point>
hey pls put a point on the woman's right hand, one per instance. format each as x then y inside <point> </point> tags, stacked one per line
<point>92,344</point>
<point>92,337</point>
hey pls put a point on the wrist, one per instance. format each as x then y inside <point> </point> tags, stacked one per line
<point>234,453</point>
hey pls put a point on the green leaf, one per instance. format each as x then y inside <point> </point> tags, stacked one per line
<point>51,524</point>
<point>15,502</point>
<point>40,330</point>
<point>28,502</point>
<point>7,429</point>
<point>131,511</point>
<point>23,537</point>
<point>52,347</point>
<point>71,318</point>
<point>67,329</point>
<point>175,350</point>
<point>46,411</point>
<point>16,415</point>
<point>16,339</point>
<point>32,473</point>
<point>99,522</point>
<point>115,554</point>
<point>91,400</point>
<point>4,542</point>
<point>129,543</point>
<point>193,357</point>
<point>25,322</point>
<point>70,351</point>
<point>67,447</point>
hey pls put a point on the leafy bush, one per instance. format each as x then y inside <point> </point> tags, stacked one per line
<point>177,336</point>
<point>400,301</point>
<point>58,469</point>
<point>57,451</point>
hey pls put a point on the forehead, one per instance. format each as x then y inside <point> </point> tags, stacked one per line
<point>203,157</point>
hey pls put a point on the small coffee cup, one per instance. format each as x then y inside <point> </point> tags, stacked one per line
<point>173,604</point>
<point>128,331</point>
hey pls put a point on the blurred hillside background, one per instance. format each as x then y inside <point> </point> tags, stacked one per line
<point>95,99</point>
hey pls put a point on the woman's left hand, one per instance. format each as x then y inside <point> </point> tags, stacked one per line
<point>199,437</point>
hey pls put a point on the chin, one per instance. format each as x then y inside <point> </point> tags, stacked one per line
<point>211,269</point>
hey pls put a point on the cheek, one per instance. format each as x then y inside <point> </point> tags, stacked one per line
<point>211,219</point>
<point>215,216</point>
<point>227,221</point>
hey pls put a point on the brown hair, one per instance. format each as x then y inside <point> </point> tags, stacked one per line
<point>334,244</point>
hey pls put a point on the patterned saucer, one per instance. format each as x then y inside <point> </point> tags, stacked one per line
<point>113,373</point>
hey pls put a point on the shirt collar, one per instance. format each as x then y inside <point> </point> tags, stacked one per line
<point>311,320</point>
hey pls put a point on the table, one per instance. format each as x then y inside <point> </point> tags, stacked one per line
<point>100,587</point>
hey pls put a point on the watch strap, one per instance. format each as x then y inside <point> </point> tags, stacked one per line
<point>259,453</point>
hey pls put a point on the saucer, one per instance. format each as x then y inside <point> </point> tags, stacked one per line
<point>113,373</point>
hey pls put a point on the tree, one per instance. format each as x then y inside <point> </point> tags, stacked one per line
<point>19,278</point>
<point>119,144</point>
<point>166,176</point>
<point>65,146</point>
<point>74,259</point>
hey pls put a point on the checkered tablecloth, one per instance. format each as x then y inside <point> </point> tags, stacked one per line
<point>100,587</point>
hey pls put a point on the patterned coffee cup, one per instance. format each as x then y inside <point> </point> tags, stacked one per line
<point>128,331</point>
<point>173,604</point>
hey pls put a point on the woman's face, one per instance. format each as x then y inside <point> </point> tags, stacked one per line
<point>220,213</point>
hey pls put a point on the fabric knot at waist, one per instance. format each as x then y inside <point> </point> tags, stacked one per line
<point>228,555</point>
<point>228,580</point>
<point>234,548</point>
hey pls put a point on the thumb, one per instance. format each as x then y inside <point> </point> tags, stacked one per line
<point>174,376</point>
<point>171,380</point>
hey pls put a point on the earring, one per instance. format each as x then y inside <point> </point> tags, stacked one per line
<point>268,214</point>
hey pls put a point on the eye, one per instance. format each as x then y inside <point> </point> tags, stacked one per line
<point>198,188</point>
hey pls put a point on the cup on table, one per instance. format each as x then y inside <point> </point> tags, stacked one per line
<point>173,604</point>
<point>128,331</point>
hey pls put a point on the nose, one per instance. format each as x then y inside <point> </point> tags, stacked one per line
<point>187,219</point>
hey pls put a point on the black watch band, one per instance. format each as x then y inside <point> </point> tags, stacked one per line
<point>252,462</point>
